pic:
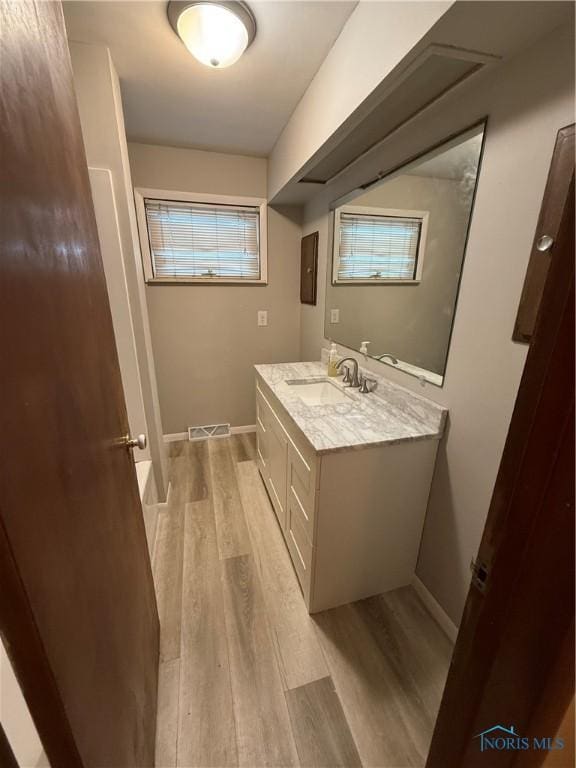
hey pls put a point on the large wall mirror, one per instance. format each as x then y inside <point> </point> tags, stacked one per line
<point>397,255</point>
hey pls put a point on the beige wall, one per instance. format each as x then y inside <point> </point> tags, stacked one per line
<point>527,100</point>
<point>411,322</point>
<point>205,338</point>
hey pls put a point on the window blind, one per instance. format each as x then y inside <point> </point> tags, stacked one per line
<point>197,240</point>
<point>374,247</point>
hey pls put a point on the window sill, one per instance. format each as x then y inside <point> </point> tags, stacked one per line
<point>202,281</point>
<point>376,282</point>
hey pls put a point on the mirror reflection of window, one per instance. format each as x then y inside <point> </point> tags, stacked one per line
<point>378,244</point>
<point>397,258</point>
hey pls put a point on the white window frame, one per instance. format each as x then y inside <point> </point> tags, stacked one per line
<point>141,193</point>
<point>400,213</point>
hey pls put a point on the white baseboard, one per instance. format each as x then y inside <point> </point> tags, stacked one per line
<point>174,436</point>
<point>435,609</point>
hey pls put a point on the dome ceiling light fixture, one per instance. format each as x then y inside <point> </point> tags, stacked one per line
<point>215,32</point>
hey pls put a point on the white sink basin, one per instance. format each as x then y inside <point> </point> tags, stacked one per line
<point>317,391</point>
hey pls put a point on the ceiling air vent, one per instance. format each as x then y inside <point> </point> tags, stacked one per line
<point>435,72</point>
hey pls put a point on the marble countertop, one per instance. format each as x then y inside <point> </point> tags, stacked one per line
<point>390,414</point>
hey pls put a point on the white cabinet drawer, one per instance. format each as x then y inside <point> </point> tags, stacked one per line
<point>302,488</point>
<point>300,550</point>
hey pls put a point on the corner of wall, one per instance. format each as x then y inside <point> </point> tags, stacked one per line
<point>376,37</point>
<point>102,120</point>
<point>158,448</point>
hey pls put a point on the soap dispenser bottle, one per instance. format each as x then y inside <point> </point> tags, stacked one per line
<point>333,360</point>
<point>364,349</point>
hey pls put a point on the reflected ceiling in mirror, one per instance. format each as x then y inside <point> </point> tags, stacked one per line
<point>397,256</point>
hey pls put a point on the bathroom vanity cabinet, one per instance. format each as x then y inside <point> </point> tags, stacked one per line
<point>352,516</point>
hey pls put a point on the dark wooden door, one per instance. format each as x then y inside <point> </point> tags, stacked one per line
<point>559,177</point>
<point>513,664</point>
<point>77,606</point>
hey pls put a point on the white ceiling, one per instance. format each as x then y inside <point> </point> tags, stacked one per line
<point>170,98</point>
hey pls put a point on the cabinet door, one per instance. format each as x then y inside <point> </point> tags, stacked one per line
<point>277,443</point>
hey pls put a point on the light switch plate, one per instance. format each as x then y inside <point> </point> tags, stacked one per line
<point>334,315</point>
<point>262,317</point>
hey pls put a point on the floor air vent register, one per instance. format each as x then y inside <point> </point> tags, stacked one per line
<point>211,430</point>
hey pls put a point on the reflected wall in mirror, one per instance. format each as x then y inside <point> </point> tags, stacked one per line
<point>397,256</point>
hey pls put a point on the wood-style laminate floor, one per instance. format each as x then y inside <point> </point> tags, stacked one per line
<point>247,677</point>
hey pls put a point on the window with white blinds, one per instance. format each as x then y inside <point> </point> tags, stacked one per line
<point>374,247</point>
<point>198,241</point>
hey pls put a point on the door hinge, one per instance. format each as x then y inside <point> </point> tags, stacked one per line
<point>480,573</point>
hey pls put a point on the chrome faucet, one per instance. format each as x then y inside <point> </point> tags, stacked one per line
<point>353,381</point>
<point>390,357</point>
<point>367,385</point>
